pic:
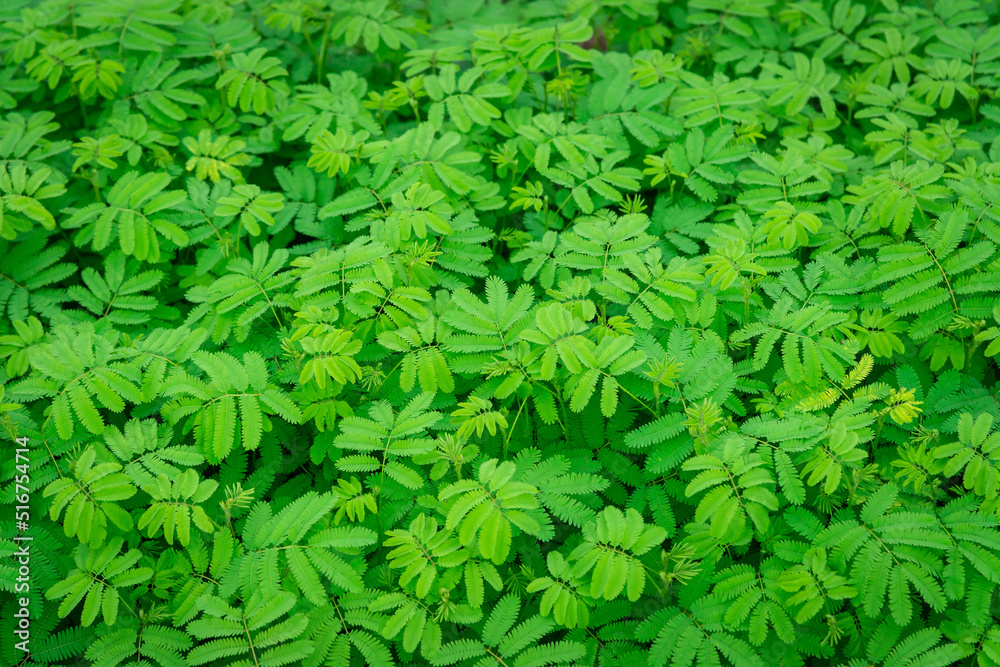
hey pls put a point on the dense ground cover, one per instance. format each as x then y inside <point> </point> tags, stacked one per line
<point>577,332</point>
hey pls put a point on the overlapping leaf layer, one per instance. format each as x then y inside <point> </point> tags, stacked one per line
<point>502,333</point>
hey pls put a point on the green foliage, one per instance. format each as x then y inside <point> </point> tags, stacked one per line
<point>592,333</point>
<point>234,393</point>
<point>89,499</point>
<point>175,507</point>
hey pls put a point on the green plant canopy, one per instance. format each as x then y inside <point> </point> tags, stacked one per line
<point>500,333</point>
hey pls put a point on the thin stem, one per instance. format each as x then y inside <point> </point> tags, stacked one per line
<point>321,61</point>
